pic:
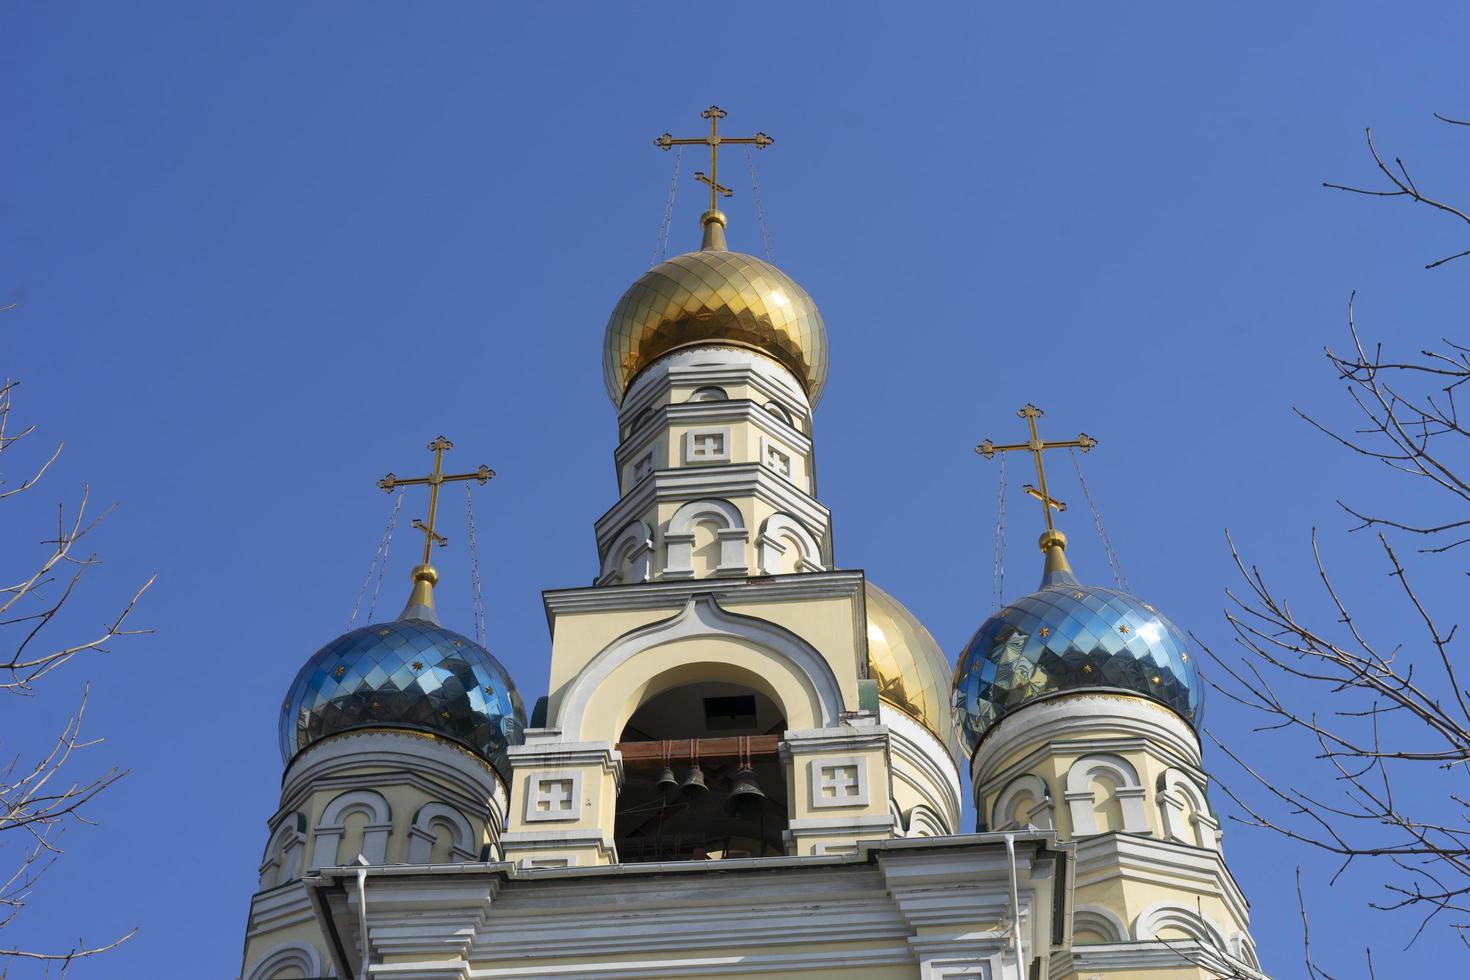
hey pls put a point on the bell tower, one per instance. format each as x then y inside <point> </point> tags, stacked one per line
<point>712,695</point>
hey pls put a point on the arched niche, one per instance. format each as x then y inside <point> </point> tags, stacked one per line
<point>1106,785</point>
<point>701,643</point>
<point>376,819</point>
<point>1184,813</point>
<point>784,545</point>
<point>723,521</point>
<point>1024,804</point>
<point>1166,921</point>
<point>440,834</point>
<point>287,960</point>
<point>630,557</point>
<point>715,741</point>
<point>284,851</point>
<point>1097,924</point>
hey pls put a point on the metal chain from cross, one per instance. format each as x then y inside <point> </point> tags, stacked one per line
<point>433,481</point>
<point>714,141</point>
<point>1036,446</point>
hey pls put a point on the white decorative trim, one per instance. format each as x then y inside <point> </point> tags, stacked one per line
<point>558,808</point>
<point>770,548</point>
<point>1164,915</point>
<point>331,827</point>
<point>284,851</point>
<point>1081,799</point>
<point>933,766</point>
<point>1040,815</point>
<point>299,955</point>
<point>421,836</point>
<point>708,393</point>
<point>703,617</point>
<point>833,772</point>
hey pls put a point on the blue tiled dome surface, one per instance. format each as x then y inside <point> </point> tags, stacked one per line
<point>408,673</point>
<point>1069,637</point>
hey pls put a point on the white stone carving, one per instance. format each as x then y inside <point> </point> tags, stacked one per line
<point>553,795</point>
<point>1164,915</point>
<point>710,445</point>
<point>1103,921</point>
<point>1127,790</point>
<point>838,781</point>
<point>332,827</point>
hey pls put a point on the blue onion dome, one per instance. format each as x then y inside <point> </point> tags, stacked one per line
<point>1070,637</point>
<point>410,673</point>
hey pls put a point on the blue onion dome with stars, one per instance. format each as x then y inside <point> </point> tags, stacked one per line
<point>411,673</point>
<point>1065,637</point>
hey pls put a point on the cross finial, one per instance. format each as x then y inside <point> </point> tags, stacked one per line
<point>714,141</point>
<point>1036,446</point>
<point>425,575</point>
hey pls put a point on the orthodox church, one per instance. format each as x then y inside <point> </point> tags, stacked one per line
<point>748,761</point>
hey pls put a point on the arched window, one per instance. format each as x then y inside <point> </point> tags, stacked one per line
<point>786,546</point>
<point>780,412</point>
<point>630,557</point>
<point>717,741</point>
<point>1184,813</point>
<point>289,960</point>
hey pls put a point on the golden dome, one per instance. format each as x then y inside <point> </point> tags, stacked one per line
<point>714,296</point>
<point>912,672</point>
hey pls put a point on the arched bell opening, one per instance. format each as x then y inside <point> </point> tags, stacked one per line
<point>703,779</point>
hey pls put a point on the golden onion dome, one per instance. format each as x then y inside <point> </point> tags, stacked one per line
<point>912,672</point>
<point>715,296</point>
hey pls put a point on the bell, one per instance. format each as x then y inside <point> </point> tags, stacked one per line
<point>746,798</point>
<point>693,784</point>
<point>667,783</point>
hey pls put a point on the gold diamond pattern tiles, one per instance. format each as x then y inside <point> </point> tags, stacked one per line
<point>715,297</point>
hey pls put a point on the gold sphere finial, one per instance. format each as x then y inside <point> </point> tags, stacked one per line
<point>1052,538</point>
<point>426,573</point>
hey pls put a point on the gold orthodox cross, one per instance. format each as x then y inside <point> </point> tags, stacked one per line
<point>433,481</point>
<point>714,140</point>
<point>1035,446</point>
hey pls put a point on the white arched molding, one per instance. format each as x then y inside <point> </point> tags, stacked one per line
<point>433,817</point>
<point>283,852</point>
<point>1184,813</point>
<point>1024,804</point>
<point>290,955</point>
<point>1129,792</point>
<point>820,700</point>
<point>924,822</point>
<point>1102,921</point>
<point>332,826</point>
<point>785,544</point>
<point>730,530</point>
<point>1164,915</point>
<point>630,556</point>
<point>709,393</point>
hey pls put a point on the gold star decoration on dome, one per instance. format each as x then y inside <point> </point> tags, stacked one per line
<point>714,141</point>
<point>433,481</point>
<point>1036,446</point>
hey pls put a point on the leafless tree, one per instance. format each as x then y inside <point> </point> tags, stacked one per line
<point>1389,715</point>
<point>39,797</point>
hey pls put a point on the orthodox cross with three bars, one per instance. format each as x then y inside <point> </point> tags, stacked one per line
<point>714,141</point>
<point>433,481</point>
<point>1035,446</point>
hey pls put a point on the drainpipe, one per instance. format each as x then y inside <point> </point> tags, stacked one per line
<point>362,928</point>
<point>1015,908</point>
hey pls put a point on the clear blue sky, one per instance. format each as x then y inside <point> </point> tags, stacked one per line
<point>263,252</point>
